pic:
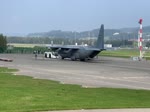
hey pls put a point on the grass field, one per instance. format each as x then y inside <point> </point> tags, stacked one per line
<point>25,94</point>
<point>25,45</point>
<point>124,53</point>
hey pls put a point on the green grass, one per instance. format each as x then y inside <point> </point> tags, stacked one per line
<point>124,53</point>
<point>24,45</point>
<point>25,94</point>
<point>121,53</point>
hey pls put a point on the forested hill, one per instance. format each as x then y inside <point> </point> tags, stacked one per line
<point>110,33</point>
<point>70,34</point>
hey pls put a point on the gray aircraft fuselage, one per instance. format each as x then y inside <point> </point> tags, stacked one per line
<point>81,54</point>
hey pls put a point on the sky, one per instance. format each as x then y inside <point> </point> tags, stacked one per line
<point>20,17</point>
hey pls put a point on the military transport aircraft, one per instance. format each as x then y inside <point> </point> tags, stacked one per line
<point>81,52</point>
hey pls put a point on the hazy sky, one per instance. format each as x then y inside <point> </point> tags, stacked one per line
<point>28,16</point>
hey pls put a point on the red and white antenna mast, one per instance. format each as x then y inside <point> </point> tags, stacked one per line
<point>140,38</point>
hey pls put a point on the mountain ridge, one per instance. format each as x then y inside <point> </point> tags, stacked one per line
<point>91,33</point>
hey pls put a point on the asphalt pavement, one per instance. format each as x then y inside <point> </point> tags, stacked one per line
<point>102,72</point>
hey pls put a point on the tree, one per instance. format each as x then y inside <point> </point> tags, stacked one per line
<point>119,43</point>
<point>3,43</point>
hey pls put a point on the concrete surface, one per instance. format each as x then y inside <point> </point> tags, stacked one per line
<point>107,110</point>
<point>103,72</point>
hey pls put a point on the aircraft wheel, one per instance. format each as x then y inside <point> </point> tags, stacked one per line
<point>62,58</point>
<point>73,58</point>
<point>82,59</point>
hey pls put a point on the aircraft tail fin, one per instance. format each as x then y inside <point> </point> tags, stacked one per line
<point>100,40</point>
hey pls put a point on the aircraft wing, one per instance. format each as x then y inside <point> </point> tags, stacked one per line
<point>65,49</point>
<point>94,49</point>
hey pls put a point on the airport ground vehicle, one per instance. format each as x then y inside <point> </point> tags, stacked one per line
<point>50,55</point>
